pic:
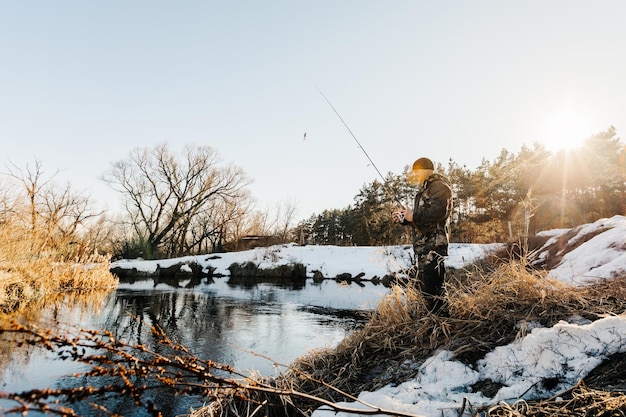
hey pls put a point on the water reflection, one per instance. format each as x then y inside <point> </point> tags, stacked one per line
<point>235,323</point>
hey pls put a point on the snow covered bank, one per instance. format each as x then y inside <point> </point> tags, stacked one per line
<point>585,253</point>
<point>541,364</point>
<point>330,261</point>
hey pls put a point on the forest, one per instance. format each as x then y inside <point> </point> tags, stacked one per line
<point>189,203</point>
<point>513,197</point>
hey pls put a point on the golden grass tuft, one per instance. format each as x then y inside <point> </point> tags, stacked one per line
<point>33,266</point>
<point>486,309</point>
<point>578,401</point>
<point>506,289</point>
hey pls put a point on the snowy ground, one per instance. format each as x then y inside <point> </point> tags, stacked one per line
<point>373,261</point>
<point>566,352</point>
<point>603,256</point>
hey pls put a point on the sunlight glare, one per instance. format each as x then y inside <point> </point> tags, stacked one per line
<point>565,131</point>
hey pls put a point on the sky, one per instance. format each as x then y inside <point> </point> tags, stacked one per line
<point>84,83</point>
<point>566,352</point>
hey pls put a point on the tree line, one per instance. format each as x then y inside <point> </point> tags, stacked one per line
<point>190,202</point>
<point>511,197</point>
<point>175,204</point>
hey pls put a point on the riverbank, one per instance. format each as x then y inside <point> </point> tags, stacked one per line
<point>515,332</point>
<point>518,341</point>
<point>345,263</point>
<point>31,269</point>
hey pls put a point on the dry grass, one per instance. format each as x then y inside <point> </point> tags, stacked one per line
<point>579,401</point>
<point>486,309</point>
<point>33,266</point>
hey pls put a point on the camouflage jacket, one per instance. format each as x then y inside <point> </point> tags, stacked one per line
<point>431,211</point>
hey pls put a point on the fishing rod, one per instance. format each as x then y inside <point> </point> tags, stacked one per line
<point>389,191</point>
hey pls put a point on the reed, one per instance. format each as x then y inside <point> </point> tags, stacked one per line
<point>34,265</point>
<point>487,308</point>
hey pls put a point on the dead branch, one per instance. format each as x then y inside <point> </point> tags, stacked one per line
<point>138,370</point>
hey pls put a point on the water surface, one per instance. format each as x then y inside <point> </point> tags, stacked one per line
<point>239,324</point>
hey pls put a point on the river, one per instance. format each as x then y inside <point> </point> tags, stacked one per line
<point>238,324</point>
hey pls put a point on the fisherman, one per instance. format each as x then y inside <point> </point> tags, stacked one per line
<point>429,221</point>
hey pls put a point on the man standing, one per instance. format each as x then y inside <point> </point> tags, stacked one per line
<point>429,220</point>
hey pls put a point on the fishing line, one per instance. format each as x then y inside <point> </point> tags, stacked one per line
<point>389,191</point>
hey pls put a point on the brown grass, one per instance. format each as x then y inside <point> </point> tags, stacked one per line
<point>486,309</point>
<point>579,401</point>
<point>33,266</point>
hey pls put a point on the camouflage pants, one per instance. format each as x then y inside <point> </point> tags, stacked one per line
<point>430,272</point>
<point>430,277</point>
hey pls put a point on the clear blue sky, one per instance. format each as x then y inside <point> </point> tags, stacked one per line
<point>83,83</point>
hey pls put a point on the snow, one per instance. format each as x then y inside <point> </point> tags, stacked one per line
<point>603,256</point>
<point>373,261</point>
<point>565,352</point>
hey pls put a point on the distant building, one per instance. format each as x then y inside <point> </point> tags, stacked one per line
<point>256,241</point>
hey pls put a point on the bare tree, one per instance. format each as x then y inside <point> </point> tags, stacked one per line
<point>223,221</point>
<point>58,214</point>
<point>65,211</point>
<point>166,195</point>
<point>33,181</point>
<point>283,218</point>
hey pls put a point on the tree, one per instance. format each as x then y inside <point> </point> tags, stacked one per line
<point>277,221</point>
<point>177,202</point>
<point>502,200</point>
<point>59,215</point>
<point>603,166</point>
<point>579,185</point>
<point>331,227</point>
<point>284,216</point>
<point>464,204</point>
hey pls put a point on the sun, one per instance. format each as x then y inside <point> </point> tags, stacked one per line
<point>564,131</point>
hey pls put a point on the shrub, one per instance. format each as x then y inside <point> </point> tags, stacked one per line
<point>34,265</point>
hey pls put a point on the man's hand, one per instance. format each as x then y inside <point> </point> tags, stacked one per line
<point>408,215</point>
<point>400,216</point>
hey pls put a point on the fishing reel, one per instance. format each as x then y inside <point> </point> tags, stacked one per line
<point>399,216</point>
